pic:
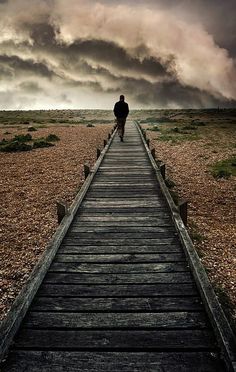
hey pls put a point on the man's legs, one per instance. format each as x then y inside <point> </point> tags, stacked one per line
<point>121,127</point>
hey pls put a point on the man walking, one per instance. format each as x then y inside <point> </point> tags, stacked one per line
<point>121,111</point>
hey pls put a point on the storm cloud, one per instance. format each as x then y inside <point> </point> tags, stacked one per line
<point>84,53</point>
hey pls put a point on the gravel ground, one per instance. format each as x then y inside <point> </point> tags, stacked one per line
<point>212,207</point>
<point>31,183</point>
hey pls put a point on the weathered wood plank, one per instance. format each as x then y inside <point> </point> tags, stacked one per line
<point>125,172</point>
<point>117,290</point>
<point>106,183</point>
<point>128,220</point>
<point>119,249</point>
<point>124,184</point>
<point>100,212</point>
<point>141,278</point>
<point>120,258</point>
<point>119,268</point>
<point>104,304</point>
<point>116,190</point>
<point>169,320</point>
<point>117,203</point>
<point>120,235</point>
<point>121,241</point>
<point>116,339</point>
<point>131,167</point>
<point>126,162</point>
<point>135,211</point>
<point>123,195</point>
<point>56,361</point>
<point>136,231</point>
<point>121,223</point>
<point>127,156</point>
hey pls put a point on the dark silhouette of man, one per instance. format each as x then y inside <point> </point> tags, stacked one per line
<point>121,111</point>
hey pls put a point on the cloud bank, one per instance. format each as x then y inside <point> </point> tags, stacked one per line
<point>57,54</point>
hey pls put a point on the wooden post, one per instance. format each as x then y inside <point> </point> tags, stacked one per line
<point>61,211</point>
<point>144,135</point>
<point>153,153</point>
<point>183,211</point>
<point>86,171</point>
<point>98,153</point>
<point>163,170</point>
<point>109,135</point>
<point>148,141</point>
<point>105,143</point>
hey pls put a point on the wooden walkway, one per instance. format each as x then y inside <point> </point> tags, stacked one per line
<point>119,295</point>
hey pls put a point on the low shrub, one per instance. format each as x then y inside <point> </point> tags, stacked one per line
<point>15,146</point>
<point>41,142</point>
<point>224,168</point>
<point>3,142</point>
<point>52,138</point>
<point>23,137</point>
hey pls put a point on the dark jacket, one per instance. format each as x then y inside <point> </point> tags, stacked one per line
<point>121,109</point>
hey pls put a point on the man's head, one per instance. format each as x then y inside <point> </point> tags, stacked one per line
<point>122,97</point>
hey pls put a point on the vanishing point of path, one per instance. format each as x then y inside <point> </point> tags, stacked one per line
<point>119,295</point>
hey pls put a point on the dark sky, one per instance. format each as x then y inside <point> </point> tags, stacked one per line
<point>84,53</point>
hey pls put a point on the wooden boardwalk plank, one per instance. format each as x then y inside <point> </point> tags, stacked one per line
<point>129,242</point>
<point>118,290</point>
<point>125,222</point>
<point>140,278</point>
<point>56,361</point>
<point>146,231</point>
<point>120,258</point>
<point>115,339</point>
<point>166,320</point>
<point>119,249</point>
<point>166,267</point>
<point>115,304</point>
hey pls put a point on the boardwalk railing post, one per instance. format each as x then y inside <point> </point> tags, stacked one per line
<point>86,171</point>
<point>61,211</point>
<point>98,153</point>
<point>148,141</point>
<point>109,135</point>
<point>163,170</point>
<point>183,211</point>
<point>105,143</point>
<point>153,153</point>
